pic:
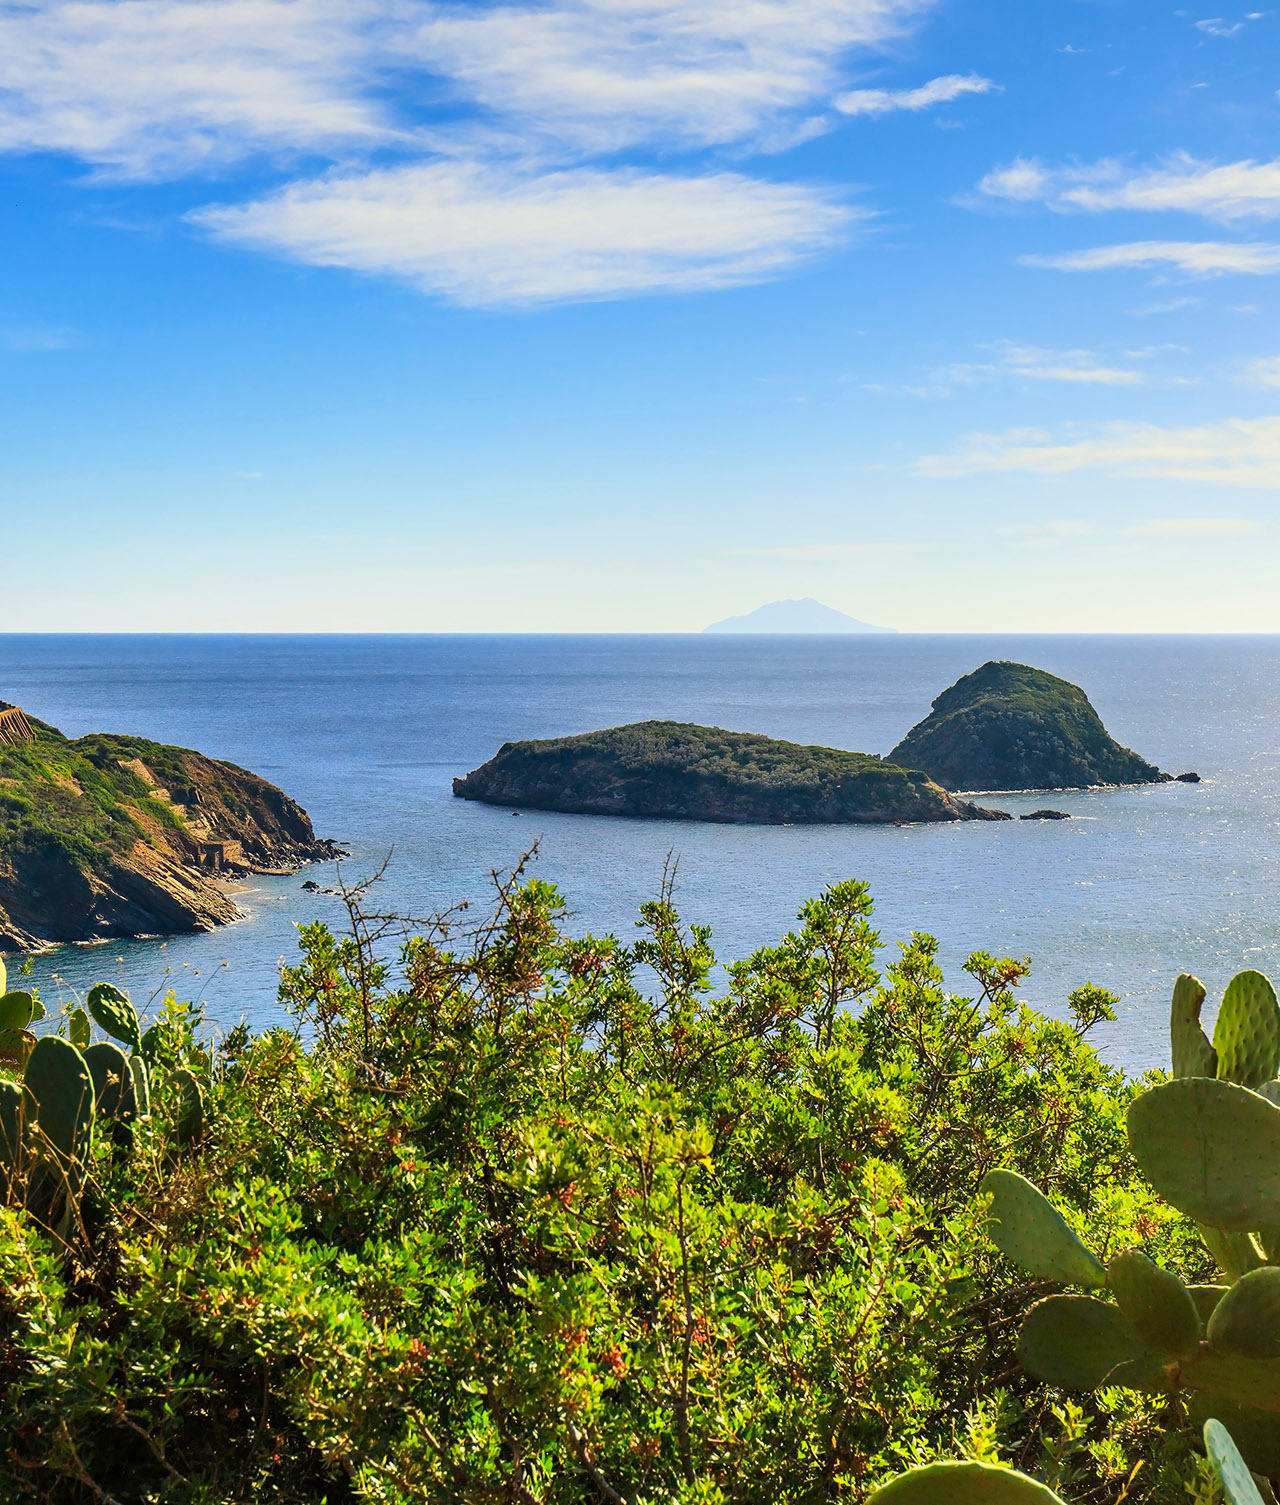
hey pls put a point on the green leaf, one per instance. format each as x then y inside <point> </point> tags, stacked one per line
<point>1026,1226</point>
<point>963,1484</point>
<point>113,1012</point>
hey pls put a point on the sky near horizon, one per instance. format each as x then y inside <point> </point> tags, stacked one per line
<point>624,315</point>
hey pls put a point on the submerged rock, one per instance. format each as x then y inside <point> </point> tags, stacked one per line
<point>679,771</point>
<point>109,837</point>
<point>1008,726</point>
<point>1045,815</point>
<point>1187,778</point>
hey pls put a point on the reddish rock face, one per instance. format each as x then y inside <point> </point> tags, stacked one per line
<point>115,836</point>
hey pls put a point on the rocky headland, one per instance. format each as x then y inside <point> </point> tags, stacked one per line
<point>1008,726</point>
<point>111,836</point>
<point>679,771</point>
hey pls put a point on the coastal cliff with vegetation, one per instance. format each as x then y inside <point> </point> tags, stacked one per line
<point>677,771</point>
<point>1009,726</point>
<point>110,836</point>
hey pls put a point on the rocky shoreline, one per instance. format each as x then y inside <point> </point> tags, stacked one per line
<point>109,837</point>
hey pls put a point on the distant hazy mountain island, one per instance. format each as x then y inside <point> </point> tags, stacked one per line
<point>795,616</point>
<point>677,771</point>
<point>1008,726</point>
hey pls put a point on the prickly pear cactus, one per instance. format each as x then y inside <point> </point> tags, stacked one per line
<point>1231,1469</point>
<point>1082,1343</point>
<point>963,1484</point>
<point>1246,1036</point>
<point>79,1029</point>
<point>113,1012</point>
<point>190,1115</point>
<point>112,1082</point>
<point>59,1081</point>
<point>1212,1148</point>
<point>16,1010</point>
<point>1026,1226</point>
<point>1192,1053</point>
<point>1155,1304</point>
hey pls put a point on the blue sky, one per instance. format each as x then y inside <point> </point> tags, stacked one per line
<point>596,315</point>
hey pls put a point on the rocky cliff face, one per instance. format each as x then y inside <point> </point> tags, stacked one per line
<point>1008,726</point>
<point>117,836</point>
<point>679,771</point>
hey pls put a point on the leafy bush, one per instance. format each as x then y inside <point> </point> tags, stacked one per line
<point>528,1217</point>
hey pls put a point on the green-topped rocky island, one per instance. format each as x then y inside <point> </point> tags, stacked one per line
<point>110,836</point>
<point>1008,726</point>
<point>677,771</point>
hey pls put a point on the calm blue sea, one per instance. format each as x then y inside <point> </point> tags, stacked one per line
<point>367,733</point>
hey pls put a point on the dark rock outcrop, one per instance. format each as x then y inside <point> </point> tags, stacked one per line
<point>118,836</point>
<point>1045,815</point>
<point>678,771</point>
<point>1008,726</point>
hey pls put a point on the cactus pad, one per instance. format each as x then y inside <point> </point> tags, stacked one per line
<point>1155,1304</point>
<point>1212,1149</point>
<point>190,1118</point>
<point>79,1029</point>
<point>16,1046</point>
<point>1247,1319</point>
<point>1206,1299</point>
<point>963,1484</point>
<point>1027,1227</point>
<point>10,1122</point>
<point>1192,1053</point>
<point>1231,1469</point>
<point>141,1085</point>
<point>1079,1342</point>
<point>112,1082</point>
<point>1247,1033</point>
<point>16,1010</point>
<point>113,1012</point>
<point>59,1080</point>
<point>1255,1433</point>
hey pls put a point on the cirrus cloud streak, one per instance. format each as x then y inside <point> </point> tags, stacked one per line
<point>1235,452</point>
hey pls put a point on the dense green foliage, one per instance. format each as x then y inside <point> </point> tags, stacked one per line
<point>1009,726</point>
<point>672,768</point>
<point>75,797</point>
<point>523,1217</point>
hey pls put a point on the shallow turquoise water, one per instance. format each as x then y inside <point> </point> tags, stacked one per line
<point>368,732</point>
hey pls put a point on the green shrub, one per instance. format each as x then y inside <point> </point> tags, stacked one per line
<point>527,1217</point>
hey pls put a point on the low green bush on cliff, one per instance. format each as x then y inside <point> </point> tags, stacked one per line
<point>523,1217</point>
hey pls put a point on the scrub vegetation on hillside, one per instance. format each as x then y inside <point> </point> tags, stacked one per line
<point>509,1215</point>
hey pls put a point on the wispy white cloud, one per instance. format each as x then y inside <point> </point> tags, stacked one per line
<point>1237,452</point>
<point>936,91</point>
<point>1228,191</point>
<point>608,72</point>
<point>1217,27</point>
<point>1264,372</point>
<point>1194,527</point>
<point>1203,258</point>
<point>490,116</point>
<point>1077,367</point>
<point>159,87</point>
<point>485,234</point>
